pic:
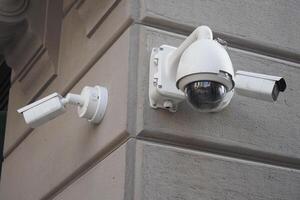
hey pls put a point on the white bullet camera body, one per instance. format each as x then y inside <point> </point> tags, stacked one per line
<point>43,110</point>
<point>200,71</point>
<point>259,86</point>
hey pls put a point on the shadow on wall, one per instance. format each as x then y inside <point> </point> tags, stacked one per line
<point>5,73</point>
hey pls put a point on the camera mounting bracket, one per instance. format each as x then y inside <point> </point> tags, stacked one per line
<point>163,92</point>
<point>91,103</point>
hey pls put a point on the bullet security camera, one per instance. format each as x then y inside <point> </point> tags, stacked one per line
<point>43,110</point>
<point>259,86</point>
<point>91,105</point>
<point>200,71</point>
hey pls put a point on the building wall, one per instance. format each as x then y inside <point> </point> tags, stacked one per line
<point>250,150</point>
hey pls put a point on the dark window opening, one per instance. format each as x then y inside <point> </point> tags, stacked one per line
<point>5,73</point>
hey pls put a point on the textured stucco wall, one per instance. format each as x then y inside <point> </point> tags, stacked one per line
<point>250,150</point>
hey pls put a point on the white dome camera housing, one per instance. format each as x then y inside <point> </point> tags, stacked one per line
<point>205,74</point>
<point>200,71</point>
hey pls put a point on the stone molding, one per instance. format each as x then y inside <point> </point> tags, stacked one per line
<point>12,20</point>
<point>36,40</point>
<point>13,10</point>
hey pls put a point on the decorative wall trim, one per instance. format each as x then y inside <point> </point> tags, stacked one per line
<point>94,13</point>
<point>13,11</point>
<point>41,40</point>
<point>12,16</point>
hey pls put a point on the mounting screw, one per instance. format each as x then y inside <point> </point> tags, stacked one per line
<point>155,82</point>
<point>168,104</point>
<point>155,61</point>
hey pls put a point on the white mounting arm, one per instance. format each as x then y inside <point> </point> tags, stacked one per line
<point>73,99</point>
<point>202,32</point>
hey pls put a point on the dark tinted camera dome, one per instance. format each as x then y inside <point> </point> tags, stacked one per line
<point>205,95</point>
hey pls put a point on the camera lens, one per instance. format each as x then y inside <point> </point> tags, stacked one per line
<point>205,95</point>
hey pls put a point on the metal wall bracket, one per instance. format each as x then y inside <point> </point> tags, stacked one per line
<point>163,92</point>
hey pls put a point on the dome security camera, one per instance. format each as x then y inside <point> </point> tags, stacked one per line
<point>91,104</point>
<point>200,71</point>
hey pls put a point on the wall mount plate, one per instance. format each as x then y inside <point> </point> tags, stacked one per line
<point>163,93</point>
<point>95,103</point>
